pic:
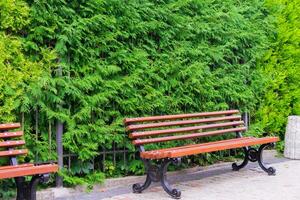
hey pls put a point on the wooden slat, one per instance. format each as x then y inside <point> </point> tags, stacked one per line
<point>9,126</point>
<point>186,136</point>
<point>184,129</point>
<point>16,166</point>
<point>179,116</point>
<point>13,152</point>
<point>11,134</point>
<point>28,171</point>
<point>12,143</point>
<point>182,122</point>
<point>222,146</point>
<point>206,147</point>
<point>163,153</point>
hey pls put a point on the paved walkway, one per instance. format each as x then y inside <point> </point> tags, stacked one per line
<point>219,182</point>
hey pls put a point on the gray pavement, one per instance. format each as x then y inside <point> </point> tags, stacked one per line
<point>216,182</point>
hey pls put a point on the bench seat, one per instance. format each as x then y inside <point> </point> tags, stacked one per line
<point>27,170</point>
<point>206,147</point>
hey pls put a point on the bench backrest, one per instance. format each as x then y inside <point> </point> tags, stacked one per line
<point>154,129</point>
<point>9,143</point>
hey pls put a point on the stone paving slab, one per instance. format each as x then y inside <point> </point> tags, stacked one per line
<point>216,182</point>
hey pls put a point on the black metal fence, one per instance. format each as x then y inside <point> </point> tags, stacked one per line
<point>116,154</point>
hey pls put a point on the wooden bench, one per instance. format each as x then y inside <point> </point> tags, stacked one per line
<point>191,127</point>
<point>9,149</point>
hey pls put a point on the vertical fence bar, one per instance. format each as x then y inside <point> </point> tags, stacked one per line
<point>248,120</point>
<point>124,153</point>
<point>69,162</point>
<point>59,149</point>
<point>36,130</point>
<point>23,121</point>
<point>50,137</point>
<point>103,161</point>
<point>93,164</point>
<point>114,153</point>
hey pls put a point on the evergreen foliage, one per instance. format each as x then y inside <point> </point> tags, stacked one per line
<point>14,66</point>
<point>17,71</point>
<point>118,59</point>
<point>91,63</point>
<point>281,68</point>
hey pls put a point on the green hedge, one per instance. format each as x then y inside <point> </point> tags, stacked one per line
<point>93,63</point>
<point>281,68</point>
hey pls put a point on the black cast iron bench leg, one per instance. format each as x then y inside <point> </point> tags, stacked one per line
<point>236,167</point>
<point>158,173</point>
<point>254,155</point>
<point>138,188</point>
<point>27,190</point>
<point>269,170</point>
<point>175,193</point>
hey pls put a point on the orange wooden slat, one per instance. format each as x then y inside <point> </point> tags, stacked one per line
<point>12,143</point>
<point>184,129</point>
<point>205,147</point>
<point>11,134</point>
<point>186,136</point>
<point>28,171</point>
<point>9,126</point>
<point>182,122</point>
<point>161,153</point>
<point>16,166</point>
<point>13,152</point>
<point>179,116</point>
<point>222,146</point>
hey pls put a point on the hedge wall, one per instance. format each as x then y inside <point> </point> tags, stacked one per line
<point>90,63</point>
<point>281,68</point>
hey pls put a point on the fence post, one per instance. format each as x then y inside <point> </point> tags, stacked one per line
<point>59,147</point>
